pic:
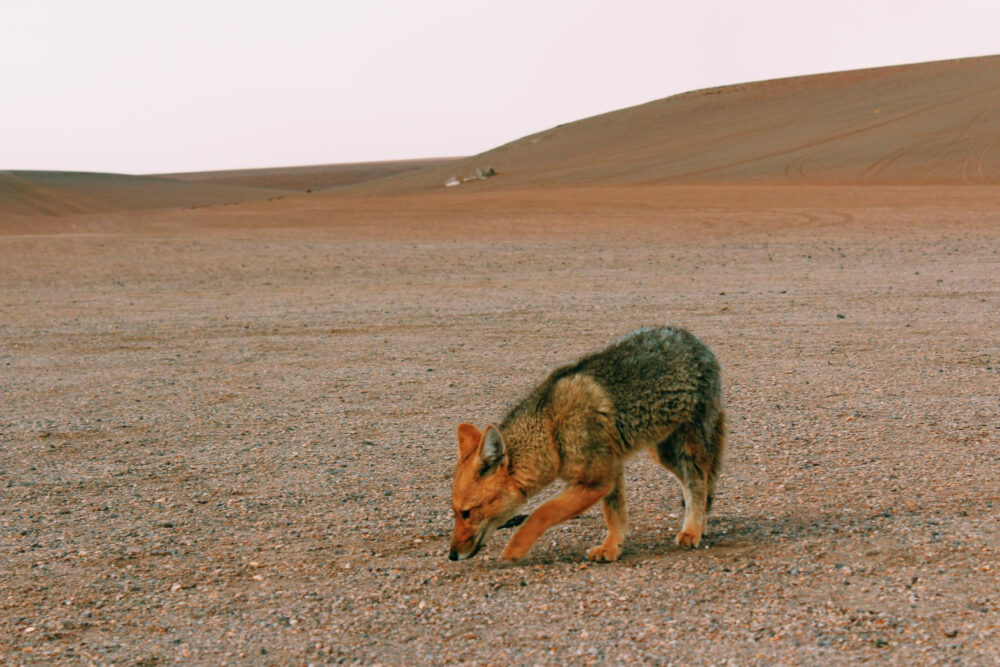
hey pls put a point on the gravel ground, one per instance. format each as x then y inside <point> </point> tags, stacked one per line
<point>227,435</point>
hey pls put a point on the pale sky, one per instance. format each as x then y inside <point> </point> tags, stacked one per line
<point>143,87</point>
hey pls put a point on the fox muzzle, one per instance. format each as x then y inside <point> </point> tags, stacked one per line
<point>454,554</point>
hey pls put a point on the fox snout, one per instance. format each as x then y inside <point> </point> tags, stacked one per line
<point>464,542</point>
<point>455,555</point>
<point>469,537</point>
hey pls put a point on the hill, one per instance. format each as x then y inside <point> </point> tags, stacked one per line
<point>58,193</point>
<point>313,177</point>
<point>927,123</point>
<point>26,194</point>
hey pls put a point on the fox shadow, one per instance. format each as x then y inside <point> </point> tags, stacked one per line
<point>727,533</point>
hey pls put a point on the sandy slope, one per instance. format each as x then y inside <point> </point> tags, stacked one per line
<point>313,177</point>
<point>28,195</point>
<point>25,195</point>
<point>927,123</point>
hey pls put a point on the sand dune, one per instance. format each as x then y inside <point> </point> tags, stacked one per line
<point>926,123</point>
<point>53,194</point>
<point>26,194</point>
<point>315,177</point>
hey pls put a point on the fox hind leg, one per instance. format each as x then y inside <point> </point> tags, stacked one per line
<point>695,488</point>
<point>700,472</point>
<point>681,453</point>
<point>613,505</point>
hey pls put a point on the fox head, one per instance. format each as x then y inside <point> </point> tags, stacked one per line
<point>484,496</point>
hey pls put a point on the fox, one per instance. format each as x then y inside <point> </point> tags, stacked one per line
<point>656,389</point>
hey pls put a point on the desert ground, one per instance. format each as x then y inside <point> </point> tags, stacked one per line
<point>227,431</point>
<point>227,439</point>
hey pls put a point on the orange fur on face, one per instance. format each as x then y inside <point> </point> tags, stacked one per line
<point>481,502</point>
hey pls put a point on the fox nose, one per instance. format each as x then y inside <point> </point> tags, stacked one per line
<point>452,555</point>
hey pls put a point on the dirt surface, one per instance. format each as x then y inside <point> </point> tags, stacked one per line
<point>227,434</point>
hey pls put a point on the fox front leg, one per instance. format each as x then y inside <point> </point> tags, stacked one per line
<point>615,517</point>
<point>572,501</point>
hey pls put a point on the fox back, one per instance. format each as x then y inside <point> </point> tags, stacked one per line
<point>656,379</point>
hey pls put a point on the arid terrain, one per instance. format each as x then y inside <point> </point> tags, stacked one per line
<point>228,425</point>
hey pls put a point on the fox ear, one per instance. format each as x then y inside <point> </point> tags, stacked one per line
<point>494,450</point>
<point>468,439</point>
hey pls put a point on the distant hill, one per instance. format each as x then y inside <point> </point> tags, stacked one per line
<point>928,123</point>
<point>314,178</point>
<point>61,193</point>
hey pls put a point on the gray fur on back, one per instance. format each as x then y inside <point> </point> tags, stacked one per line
<point>660,379</point>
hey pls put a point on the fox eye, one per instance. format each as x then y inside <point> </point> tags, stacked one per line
<point>465,514</point>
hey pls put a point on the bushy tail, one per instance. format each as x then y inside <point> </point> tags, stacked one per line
<point>718,451</point>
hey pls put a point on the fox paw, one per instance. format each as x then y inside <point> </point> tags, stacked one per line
<point>688,538</point>
<point>605,553</point>
<point>513,555</point>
